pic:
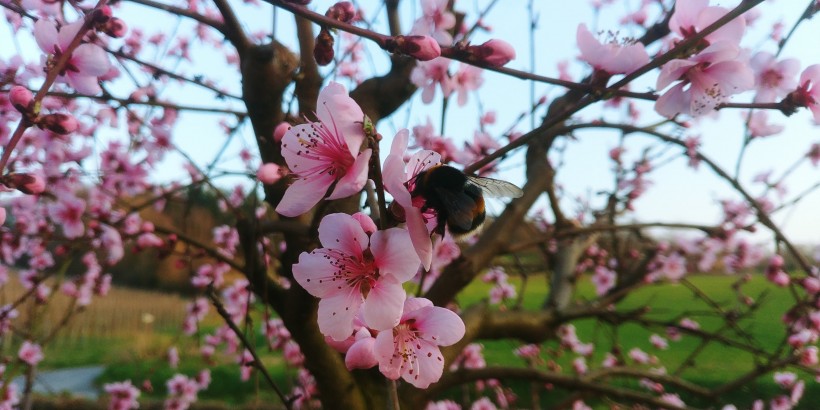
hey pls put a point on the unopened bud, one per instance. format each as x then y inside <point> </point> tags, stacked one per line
<point>59,123</point>
<point>494,53</point>
<point>269,173</point>
<point>342,11</point>
<point>21,98</point>
<point>280,131</point>
<point>423,48</point>
<point>115,28</point>
<point>102,14</point>
<point>31,184</point>
<point>323,50</point>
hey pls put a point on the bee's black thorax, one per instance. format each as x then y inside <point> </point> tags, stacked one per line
<point>458,204</point>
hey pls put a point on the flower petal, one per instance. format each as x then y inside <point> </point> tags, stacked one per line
<point>383,305</point>
<point>343,232</point>
<point>90,60</point>
<point>354,179</point>
<point>341,114</point>
<point>438,325</point>
<point>394,254</point>
<point>303,194</point>
<point>389,363</point>
<point>674,101</point>
<point>429,365</point>
<point>67,33</point>
<point>336,314</point>
<point>361,354</point>
<point>419,235</point>
<point>84,84</point>
<point>45,33</point>
<point>315,273</point>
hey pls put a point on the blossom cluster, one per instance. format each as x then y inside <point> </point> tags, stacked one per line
<point>359,271</point>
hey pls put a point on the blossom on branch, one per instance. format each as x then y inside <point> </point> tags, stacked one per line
<point>87,62</point>
<point>411,349</point>
<point>325,152</point>
<point>353,269</point>
<point>611,57</point>
<point>703,81</point>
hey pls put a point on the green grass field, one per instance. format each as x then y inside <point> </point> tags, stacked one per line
<point>142,357</point>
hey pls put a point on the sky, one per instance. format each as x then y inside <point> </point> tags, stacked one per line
<point>678,193</point>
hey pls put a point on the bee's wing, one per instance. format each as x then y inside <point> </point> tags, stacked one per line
<point>496,187</point>
<point>459,208</point>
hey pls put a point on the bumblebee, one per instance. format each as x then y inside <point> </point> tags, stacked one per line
<point>458,198</point>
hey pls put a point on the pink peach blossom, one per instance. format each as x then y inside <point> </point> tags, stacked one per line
<point>429,74</point>
<point>435,21</point>
<point>692,16</point>
<point>30,353</point>
<point>703,82</point>
<point>325,152</point>
<point>411,349</point>
<point>124,395</point>
<point>87,62</point>
<point>353,269</point>
<point>611,57</point>
<point>773,79</point>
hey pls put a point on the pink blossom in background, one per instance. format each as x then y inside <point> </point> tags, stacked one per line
<point>442,405</point>
<point>467,78</point>
<point>639,356</point>
<point>411,349</point>
<point>323,152</point>
<point>469,358</point>
<point>353,270</point>
<point>429,74</point>
<point>774,79</point>
<point>759,125</point>
<point>269,173</point>
<point>123,395</point>
<point>603,279</point>
<point>173,357</point>
<point>397,176</point>
<point>808,91</point>
<point>483,403</point>
<point>658,342</point>
<point>30,353</point>
<point>67,213</point>
<point>611,57</point>
<point>436,21</point>
<point>87,62</point>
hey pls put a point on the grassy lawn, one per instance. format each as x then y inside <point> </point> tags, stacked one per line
<point>140,356</point>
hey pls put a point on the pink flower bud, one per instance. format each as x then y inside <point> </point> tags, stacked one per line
<point>2,215</point>
<point>323,50</point>
<point>31,184</point>
<point>342,11</point>
<point>103,14</point>
<point>21,98</point>
<point>59,123</point>
<point>423,48</point>
<point>280,131</point>
<point>495,53</point>
<point>269,173</point>
<point>115,28</point>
